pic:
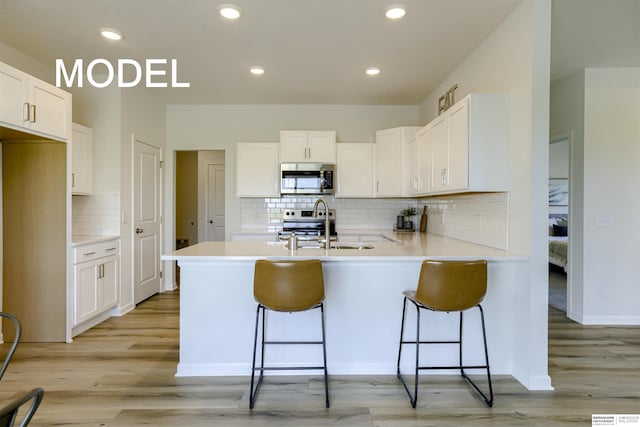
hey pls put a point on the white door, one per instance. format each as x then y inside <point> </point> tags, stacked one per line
<point>146,220</point>
<point>215,202</point>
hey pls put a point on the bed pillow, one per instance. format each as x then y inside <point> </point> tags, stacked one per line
<point>559,230</point>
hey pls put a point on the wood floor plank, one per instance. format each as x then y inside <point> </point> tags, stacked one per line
<point>122,373</point>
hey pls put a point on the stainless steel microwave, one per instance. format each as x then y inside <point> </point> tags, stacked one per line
<point>306,178</point>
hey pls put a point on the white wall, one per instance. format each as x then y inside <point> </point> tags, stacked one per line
<point>143,115</point>
<point>559,159</point>
<point>567,117</point>
<point>611,202</point>
<point>515,59</point>
<point>26,63</point>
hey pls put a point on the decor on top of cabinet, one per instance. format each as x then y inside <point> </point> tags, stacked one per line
<point>447,100</point>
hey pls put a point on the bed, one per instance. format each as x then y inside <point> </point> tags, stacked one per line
<point>558,240</point>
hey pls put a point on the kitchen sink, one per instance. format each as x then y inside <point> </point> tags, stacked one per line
<point>355,245</point>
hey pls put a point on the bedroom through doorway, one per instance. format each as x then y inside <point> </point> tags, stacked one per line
<point>559,151</point>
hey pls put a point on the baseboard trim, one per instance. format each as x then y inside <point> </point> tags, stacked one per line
<point>611,320</point>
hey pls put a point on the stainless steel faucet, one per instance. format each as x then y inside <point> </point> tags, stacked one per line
<point>326,220</point>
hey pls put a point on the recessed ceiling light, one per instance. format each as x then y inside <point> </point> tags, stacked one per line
<point>373,71</point>
<point>229,11</point>
<point>111,34</point>
<point>258,71</point>
<point>396,11</point>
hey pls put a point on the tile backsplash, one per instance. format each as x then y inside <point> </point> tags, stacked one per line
<point>98,214</point>
<point>266,213</point>
<point>481,218</point>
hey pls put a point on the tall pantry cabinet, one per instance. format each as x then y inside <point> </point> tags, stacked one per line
<point>35,133</point>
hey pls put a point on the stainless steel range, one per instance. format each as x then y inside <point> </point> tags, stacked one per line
<point>305,225</point>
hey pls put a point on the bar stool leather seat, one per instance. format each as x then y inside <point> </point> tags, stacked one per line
<point>287,286</point>
<point>447,286</point>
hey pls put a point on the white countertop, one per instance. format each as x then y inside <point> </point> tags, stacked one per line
<point>85,239</point>
<point>406,247</point>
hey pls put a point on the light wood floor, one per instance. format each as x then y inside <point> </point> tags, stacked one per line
<point>121,373</point>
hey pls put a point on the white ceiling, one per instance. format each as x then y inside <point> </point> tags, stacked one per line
<point>314,51</point>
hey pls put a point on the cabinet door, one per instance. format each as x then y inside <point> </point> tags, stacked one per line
<point>414,166</point>
<point>86,291</point>
<point>81,160</point>
<point>321,146</point>
<point>51,109</point>
<point>437,140</point>
<point>108,283</point>
<point>426,163</point>
<point>354,170</point>
<point>389,163</point>
<point>257,169</point>
<point>293,146</point>
<point>458,135</point>
<point>13,87</point>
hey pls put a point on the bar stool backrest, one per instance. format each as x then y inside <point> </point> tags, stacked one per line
<point>452,285</point>
<point>288,285</point>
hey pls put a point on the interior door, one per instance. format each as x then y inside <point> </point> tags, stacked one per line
<point>215,203</point>
<point>146,220</point>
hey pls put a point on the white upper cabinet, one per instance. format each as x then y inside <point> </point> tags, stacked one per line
<point>355,170</point>
<point>478,145</point>
<point>257,169</point>
<point>34,106</point>
<point>81,160</point>
<point>308,146</point>
<point>438,147</point>
<point>14,89</point>
<point>392,154</point>
<point>468,146</point>
<point>420,162</point>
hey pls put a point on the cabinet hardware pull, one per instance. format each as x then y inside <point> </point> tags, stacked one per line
<point>73,180</point>
<point>25,112</point>
<point>377,186</point>
<point>33,109</point>
<point>90,253</point>
<point>110,249</point>
<point>309,152</point>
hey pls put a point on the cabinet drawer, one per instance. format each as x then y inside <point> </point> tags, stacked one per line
<point>93,251</point>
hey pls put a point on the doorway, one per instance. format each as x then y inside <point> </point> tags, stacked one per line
<point>200,197</point>
<point>559,196</point>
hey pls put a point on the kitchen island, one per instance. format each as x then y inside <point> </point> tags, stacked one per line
<point>363,289</point>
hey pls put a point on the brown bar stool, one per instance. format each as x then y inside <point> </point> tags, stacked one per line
<point>287,286</point>
<point>447,286</point>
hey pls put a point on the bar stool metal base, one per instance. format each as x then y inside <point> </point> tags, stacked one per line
<point>254,389</point>
<point>414,398</point>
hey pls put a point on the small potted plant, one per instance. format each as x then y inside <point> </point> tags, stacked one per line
<point>409,213</point>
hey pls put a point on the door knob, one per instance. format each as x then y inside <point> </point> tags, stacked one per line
<point>139,230</point>
<point>210,221</point>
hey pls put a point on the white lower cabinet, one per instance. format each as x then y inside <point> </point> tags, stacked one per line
<point>95,282</point>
